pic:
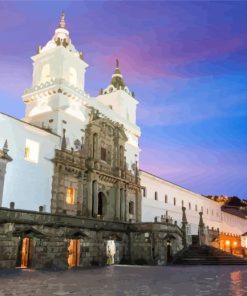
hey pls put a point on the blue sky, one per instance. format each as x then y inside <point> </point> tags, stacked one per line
<point>186,62</point>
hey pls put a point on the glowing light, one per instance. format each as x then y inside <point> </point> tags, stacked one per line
<point>70,195</point>
<point>235,244</point>
<point>227,242</point>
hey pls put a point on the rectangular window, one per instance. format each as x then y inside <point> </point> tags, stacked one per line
<point>174,201</point>
<point>156,195</point>
<point>196,208</point>
<point>70,196</point>
<point>31,152</point>
<point>182,203</point>
<point>189,206</point>
<point>103,154</point>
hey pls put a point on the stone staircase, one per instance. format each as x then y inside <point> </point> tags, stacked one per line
<point>207,255</point>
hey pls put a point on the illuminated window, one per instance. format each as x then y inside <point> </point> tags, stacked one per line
<point>70,195</point>
<point>166,198</point>
<point>31,152</point>
<point>156,195</point>
<point>131,208</point>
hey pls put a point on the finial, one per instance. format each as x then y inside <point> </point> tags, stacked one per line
<point>6,147</point>
<point>64,144</point>
<point>117,63</point>
<point>62,23</point>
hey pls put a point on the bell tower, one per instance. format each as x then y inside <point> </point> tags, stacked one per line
<point>57,95</point>
<point>123,103</point>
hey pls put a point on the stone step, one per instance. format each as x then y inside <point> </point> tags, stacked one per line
<point>206,255</point>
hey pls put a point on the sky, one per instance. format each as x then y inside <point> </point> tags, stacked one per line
<point>185,61</point>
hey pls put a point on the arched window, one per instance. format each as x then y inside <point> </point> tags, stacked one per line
<point>166,198</point>
<point>131,207</point>
<point>72,76</point>
<point>45,73</point>
<point>196,208</point>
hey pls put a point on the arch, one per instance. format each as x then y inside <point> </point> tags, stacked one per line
<point>101,203</point>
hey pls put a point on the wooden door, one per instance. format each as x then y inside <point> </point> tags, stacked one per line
<point>25,249</point>
<point>74,253</point>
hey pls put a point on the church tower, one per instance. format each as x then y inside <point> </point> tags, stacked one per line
<point>121,100</point>
<point>57,98</point>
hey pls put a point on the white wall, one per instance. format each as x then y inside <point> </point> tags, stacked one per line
<point>27,184</point>
<point>212,214</point>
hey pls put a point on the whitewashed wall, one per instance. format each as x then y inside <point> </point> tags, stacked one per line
<point>27,184</point>
<point>212,214</point>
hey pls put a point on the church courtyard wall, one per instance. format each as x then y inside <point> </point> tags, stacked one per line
<point>50,236</point>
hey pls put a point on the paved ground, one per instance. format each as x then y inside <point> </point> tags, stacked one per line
<point>128,281</point>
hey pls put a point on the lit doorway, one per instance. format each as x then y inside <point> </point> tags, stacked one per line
<point>25,252</point>
<point>168,251</point>
<point>110,252</point>
<point>74,253</point>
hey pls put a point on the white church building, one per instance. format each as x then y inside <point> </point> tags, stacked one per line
<point>57,108</point>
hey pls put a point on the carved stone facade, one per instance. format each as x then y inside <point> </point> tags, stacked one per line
<point>94,180</point>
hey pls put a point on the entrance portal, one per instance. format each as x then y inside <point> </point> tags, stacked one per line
<point>74,253</point>
<point>168,251</point>
<point>110,251</point>
<point>25,250</point>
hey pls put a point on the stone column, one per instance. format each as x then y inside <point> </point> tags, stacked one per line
<point>118,206</point>
<point>89,198</point>
<point>122,207</point>
<point>95,198</point>
<point>126,206</point>
<point>4,159</point>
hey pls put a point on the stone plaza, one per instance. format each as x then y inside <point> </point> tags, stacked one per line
<point>127,281</point>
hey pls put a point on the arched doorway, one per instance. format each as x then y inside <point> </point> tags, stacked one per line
<point>24,253</point>
<point>110,252</point>
<point>101,204</point>
<point>168,251</point>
